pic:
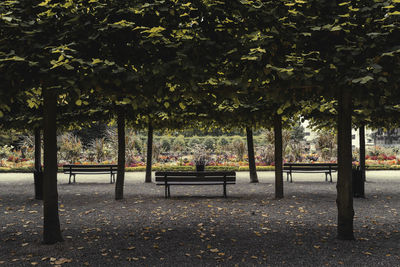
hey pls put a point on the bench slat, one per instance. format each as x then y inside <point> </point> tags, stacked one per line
<point>308,168</point>
<point>194,173</point>
<point>195,183</point>
<point>195,179</point>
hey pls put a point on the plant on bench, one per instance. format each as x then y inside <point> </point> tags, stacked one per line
<point>326,168</point>
<point>74,169</point>
<point>195,178</point>
<point>200,157</point>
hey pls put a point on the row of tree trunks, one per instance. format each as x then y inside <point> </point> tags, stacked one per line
<point>51,227</point>
<point>119,184</point>
<point>251,156</point>
<point>344,198</point>
<point>149,153</point>
<point>52,232</point>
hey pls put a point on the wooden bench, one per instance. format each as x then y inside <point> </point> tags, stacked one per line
<point>168,178</point>
<point>73,170</point>
<point>326,168</point>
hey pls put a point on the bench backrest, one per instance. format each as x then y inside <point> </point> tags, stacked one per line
<point>206,176</point>
<point>89,168</point>
<point>310,166</point>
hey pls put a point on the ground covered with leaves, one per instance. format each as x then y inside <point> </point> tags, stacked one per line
<point>197,227</point>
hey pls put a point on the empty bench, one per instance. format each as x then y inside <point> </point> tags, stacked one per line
<point>326,168</point>
<point>74,169</point>
<point>168,178</point>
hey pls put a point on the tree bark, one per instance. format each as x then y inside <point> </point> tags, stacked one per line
<point>362,152</point>
<point>38,173</point>
<point>119,184</point>
<point>344,200</point>
<point>51,227</point>
<point>149,153</point>
<point>278,157</point>
<point>252,161</point>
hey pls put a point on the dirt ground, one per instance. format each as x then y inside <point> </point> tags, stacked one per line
<point>197,227</point>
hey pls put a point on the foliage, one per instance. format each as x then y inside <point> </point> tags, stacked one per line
<point>156,151</point>
<point>238,147</point>
<point>297,132</point>
<point>194,140</point>
<point>209,143</point>
<point>70,148</point>
<point>97,150</point>
<point>27,145</point>
<point>179,145</point>
<point>266,154</point>
<point>326,144</point>
<point>200,155</point>
<point>165,144</point>
<point>6,151</point>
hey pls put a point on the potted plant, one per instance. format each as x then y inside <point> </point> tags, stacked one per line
<point>200,157</point>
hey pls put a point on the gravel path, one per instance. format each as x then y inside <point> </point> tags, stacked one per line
<point>197,227</point>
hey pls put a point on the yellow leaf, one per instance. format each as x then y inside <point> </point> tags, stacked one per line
<point>214,250</point>
<point>78,102</point>
<point>182,105</point>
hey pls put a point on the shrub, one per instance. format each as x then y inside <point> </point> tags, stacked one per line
<point>178,145</point>
<point>238,147</point>
<point>6,151</point>
<point>223,141</point>
<point>267,154</point>
<point>209,143</point>
<point>193,141</point>
<point>156,151</point>
<point>165,144</point>
<point>70,147</point>
<point>97,149</point>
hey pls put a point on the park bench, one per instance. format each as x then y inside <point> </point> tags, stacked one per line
<point>326,168</point>
<point>168,178</point>
<point>74,169</point>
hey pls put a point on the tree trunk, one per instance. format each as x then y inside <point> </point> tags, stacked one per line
<point>344,198</point>
<point>278,157</point>
<point>149,153</point>
<point>51,227</point>
<point>119,184</point>
<point>362,152</point>
<point>38,173</point>
<point>252,161</point>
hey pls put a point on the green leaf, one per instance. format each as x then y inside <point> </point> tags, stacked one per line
<point>363,80</point>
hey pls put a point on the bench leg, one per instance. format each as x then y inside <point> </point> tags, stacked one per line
<point>291,178</point>
<point>287,177</point>
<point>69,179</point>
<point>330,174</point>
<point>112,179</point>
<point>166,191</point>
<point>74,178</point>
<point>224,190</point>
<point>169,191</point>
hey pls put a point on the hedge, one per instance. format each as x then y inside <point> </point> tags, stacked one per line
<point>192,168</point>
